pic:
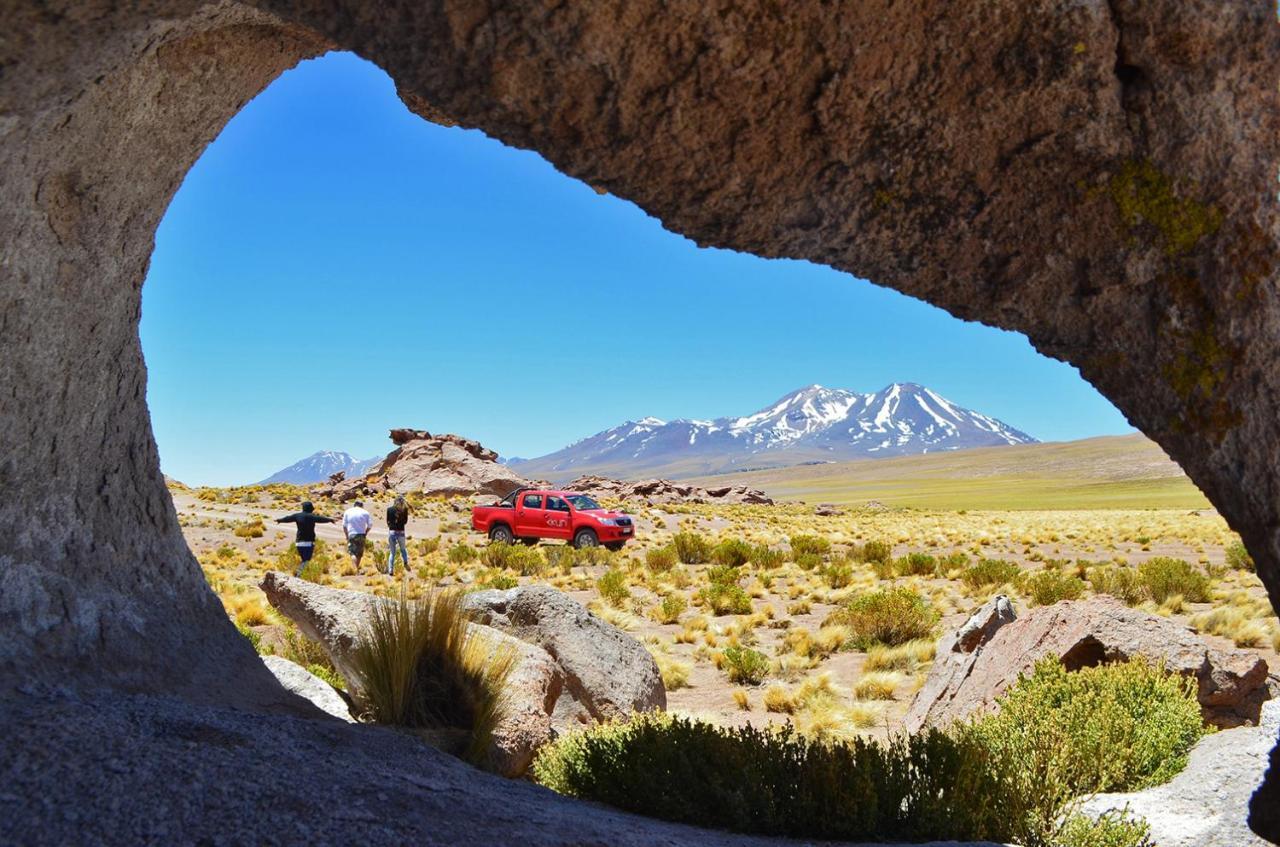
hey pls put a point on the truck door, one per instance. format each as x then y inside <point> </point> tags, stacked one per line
<point>530,516</point>
<point>559,522</point>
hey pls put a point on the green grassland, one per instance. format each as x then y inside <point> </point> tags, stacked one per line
<point>1113,472</point>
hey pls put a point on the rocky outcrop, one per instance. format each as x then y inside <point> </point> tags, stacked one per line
<point>571,669</point>
<point>828,510</point>
<point>433,465</point>
<point>608,674</point>
<point>1206,805</point>
<point>298,680</point>
<point>663,491</point>
<point>991,650</point>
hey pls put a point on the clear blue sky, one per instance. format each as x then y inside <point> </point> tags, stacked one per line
<point>334,266</point>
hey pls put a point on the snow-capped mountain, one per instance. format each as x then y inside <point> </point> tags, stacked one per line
<point>813,424</point>
<point>318,466</point>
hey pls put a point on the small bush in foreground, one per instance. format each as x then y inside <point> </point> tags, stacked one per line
<point>1052,586</point>
<point>419,666</point>
<point>1112,829</point>
<point>1120,582</point>
<point>876,551</point>
<point>745,665</point>
<point>612,586</point>
<point>809,544</point>
<point>1237,557</point>
<point>691,548</point>
<point>765,557</point>
<point>989,572</point>
<point>1163,577</point>
<point>670,609</point>
<point>527,561</point>
<point>916,564</point>
<point>731,552</point>
<point>660,559</point>
<point>891,617</point>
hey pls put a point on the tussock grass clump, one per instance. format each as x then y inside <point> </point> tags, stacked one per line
<point>1237,557</point>
<point>732,553</point>
<point>991,572</point>
<point>691,548</point>
<point>916,564</point>
<point>1233,623</point>
<point>765,557</point>
<point>674,673</point>
<point>876,551</point>
<point>890,617</point>
<point>670,609</point>
<point>660,559</point>
<point>905,657</point>
<point>251,529</point>
<point>1121,582</point>
<point>876,685</point>
<point>744,665</point>
<point>723,595</point>
<point>461,553</point>
<point>809,544</point>
<point>612,586</point>
<point>1164,577</point>
<point>1052,586</point>
<point>419,666</point>
<point>838,575</point>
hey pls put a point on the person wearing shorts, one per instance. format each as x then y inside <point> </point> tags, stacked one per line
<point>397,517</point>
<point>305,541</point>
<point>356,523</point>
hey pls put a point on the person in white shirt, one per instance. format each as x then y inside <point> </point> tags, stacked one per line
<point>356,523</point>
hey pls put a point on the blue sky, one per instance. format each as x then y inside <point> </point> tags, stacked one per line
<point>334,266</point>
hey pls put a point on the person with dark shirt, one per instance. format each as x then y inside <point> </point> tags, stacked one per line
<point>397,517</point>
<point>306,539</point>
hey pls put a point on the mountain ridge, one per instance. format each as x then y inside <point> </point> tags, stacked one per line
<point>813,424</point>
<point>319,466</point>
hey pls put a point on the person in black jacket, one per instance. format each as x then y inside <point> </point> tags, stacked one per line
<point>306,539</point>
<point>397,517</point>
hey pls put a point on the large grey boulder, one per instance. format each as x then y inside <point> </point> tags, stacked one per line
<point>608,674</point>
<point>1231,684</point>
<point>305,684</point>
<point>1207,804</point>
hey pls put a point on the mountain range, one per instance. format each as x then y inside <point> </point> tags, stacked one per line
<point>810,425</point>
<point>318,466</point>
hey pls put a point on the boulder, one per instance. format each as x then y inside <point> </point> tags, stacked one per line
<point>828,510</point>
<point>338,619</point>
<point>305,684</point>
<point>655,492</point>
<point>608,674</point>
<point>1207,804</point>
<point>1232,684</point>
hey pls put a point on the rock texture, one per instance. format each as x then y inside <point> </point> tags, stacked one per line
<point>608,674</point>
<point>1206,805</point>
<point>659,491</point>
<point>572,667</point>
<point>991,650</point>
<point>434,465</point>
<point>1098,175</point>
<point>305,684</point>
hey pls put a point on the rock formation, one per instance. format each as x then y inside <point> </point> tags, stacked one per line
<point>1206,805</point>
<point>981,660</point>
<point>434,465</point>
<point>1097,175</point>
<point>664,491</point>
<point>307,685</point>
<point>571,667</point>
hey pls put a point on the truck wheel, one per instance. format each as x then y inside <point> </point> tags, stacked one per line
<point>615,546</point>
<point>585,538</point>
<point>529,542</point>
<point>501,534</point>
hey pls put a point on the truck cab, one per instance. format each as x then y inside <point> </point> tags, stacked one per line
<point>530,514</point>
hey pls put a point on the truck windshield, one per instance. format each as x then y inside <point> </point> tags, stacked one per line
<point>582,501</point>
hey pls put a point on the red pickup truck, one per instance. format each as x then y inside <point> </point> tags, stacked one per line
<point>528,514</point>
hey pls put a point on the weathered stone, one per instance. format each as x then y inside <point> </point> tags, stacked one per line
<point>662,491</point>
<point>305,684</point>
<point>827,510</point>
<point>1206,805</point>
<point>607,672</point>
<point>338,620</point>
<point>1231,684</point>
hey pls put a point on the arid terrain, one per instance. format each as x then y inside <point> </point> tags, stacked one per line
<point>800,569</point>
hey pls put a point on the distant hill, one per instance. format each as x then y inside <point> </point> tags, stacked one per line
<point>1123,471</point>
<point>812,424</point>
<point>318,466</point>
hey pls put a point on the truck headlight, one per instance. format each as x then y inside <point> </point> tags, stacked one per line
<point>607,521</point>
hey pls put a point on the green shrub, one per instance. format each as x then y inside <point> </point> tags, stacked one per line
<point>254,638</point>
<point>765,557</point>
<point>917,564</point>
<point>496,579</point>
<point>1060,734</point>
<point>954,560</point>
<point>527,561</point>
<point>461,553</point>
<point>732,552</point>
<point>612,586</point>
<point>809,561</point>
<point>774,782</point>
<point>561,557</point>
<point>419,666</point>
<point>989,572</point>
<point>745,666</point>
<point>426,546</point>
<point>890,617</point>
<point>809,544</point>
<point>1051,586</point>
<point>251,529</point>
<point>725,599</point>
<point>1164,577</point>
<point>671,608</point>
<point>1111,829</point>
<point>1237,557</point>
<point>838,574</point>
<point>691,548</point>
<point>876,551</point>
<point>660,559</point>
<point>1119,581</point>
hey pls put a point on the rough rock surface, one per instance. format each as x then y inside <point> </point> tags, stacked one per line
<point>305,684</point>
<point>337,620</point>
<point>827,510</point>
<point>1206,804</point>
<point>434,465</point>
<point>660,491</point>
<point>1232,683</point>
<point>608,674</point>
<point>1098,175</point>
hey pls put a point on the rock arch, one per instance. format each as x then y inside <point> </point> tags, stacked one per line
<point>1098,175</point>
